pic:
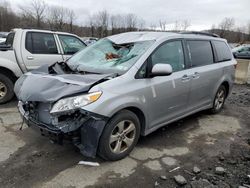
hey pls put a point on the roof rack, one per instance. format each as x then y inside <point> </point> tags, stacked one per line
<point>200,33</point>
<point>36,28</point>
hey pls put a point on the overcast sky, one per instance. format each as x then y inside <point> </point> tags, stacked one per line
<point>201,13</point>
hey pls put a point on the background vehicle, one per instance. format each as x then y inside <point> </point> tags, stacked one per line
<point>89,40</point>
<point>125,86</point>
<point>242,52</point>
<point>27,49</point>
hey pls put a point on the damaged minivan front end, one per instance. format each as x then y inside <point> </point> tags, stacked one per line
<point>53,106</point>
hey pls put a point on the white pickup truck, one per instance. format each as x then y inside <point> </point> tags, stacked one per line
<point>27,49</point>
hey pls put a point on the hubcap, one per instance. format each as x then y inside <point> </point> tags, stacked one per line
<point>3,90</point>
<point>219,100</point>
<point>122,136</point>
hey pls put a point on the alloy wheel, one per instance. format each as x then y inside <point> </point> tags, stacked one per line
<point>122,136</point>
<point>3,90</point>
<point>219,100</point>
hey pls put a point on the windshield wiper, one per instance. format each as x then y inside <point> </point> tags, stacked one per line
<point>87,72</point>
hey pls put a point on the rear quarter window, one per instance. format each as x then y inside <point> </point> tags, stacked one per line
<point>222,50</point>
<point>10,39</point>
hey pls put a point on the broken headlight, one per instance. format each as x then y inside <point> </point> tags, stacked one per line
<point>73,103</point>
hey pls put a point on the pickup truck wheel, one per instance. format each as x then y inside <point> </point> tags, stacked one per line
<point>119,136</point>
<point>6,89</point>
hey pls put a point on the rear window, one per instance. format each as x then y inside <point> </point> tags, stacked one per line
<point>10,39</point>
<point>40,43</point>
<point>223,51</point>
<point>200,53</point>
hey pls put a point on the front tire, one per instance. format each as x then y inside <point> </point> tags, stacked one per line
<point>6,89</point>
<point>219,100</point>
<point>119,136</point>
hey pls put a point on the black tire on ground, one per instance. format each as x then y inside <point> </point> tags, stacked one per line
<point>6,89</point>
<point>221,96</point>
<point>127,118</point>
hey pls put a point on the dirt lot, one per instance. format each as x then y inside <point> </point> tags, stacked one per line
<point>202,140</point>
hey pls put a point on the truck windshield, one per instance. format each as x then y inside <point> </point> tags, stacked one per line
<point>107,57</point>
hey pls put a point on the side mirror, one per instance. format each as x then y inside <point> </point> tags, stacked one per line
<point>161,70</point>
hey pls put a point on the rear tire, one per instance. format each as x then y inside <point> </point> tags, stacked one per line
<point>219,100</point>
<point>120,136</point>
<point>6,89</point>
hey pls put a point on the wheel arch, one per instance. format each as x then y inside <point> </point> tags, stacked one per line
<point>227,86</point>
<point>7,72</point>
<point>139,113</point>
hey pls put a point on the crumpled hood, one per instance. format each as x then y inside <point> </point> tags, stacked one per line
<point>42,87</point>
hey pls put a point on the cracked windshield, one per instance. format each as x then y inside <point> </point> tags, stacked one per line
<point>107,57</point>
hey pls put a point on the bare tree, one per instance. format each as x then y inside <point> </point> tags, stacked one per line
<point>71,17</point>
<point>35,11</point>
<point>57,17</point>
<point>240,37</point>
<point>101,23</point>
<point>226,25</point>
<point>131,22</point>
<point>104,19</point>
<point>162,25</point>
<point>8,19</point>
<point>91,26</point>
<point>177,26</point>
<point>141,24</point>
<point>185,24</point>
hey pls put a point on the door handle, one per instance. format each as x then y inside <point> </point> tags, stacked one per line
<point>30,57</point>
<point>196,75</point>
<point>185,78</point>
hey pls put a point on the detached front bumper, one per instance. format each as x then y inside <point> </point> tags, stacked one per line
<point>83,129</point>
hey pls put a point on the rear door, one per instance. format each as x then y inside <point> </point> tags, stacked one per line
<point>40,48</point>
<point>70,45</point>
<point>204,73</point>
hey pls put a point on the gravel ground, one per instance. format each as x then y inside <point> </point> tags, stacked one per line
<point>199,151</point>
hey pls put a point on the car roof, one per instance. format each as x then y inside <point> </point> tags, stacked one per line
<point>131,37</point>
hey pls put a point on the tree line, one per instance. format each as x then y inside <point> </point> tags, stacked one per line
<point>40,15</point>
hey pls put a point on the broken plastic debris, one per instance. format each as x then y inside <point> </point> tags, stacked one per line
<point>175,169</point>
<point>88,163</point>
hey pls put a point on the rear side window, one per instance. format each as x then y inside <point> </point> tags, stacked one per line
<point>71,44</point>
<point>200,53</point>
<point>10,39</point>
<point>40,43</point>
<point>223,51</point>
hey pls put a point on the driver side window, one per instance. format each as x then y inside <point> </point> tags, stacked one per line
<point>170,53</point>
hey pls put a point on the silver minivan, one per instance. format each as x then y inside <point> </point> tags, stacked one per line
<point>109,94</point>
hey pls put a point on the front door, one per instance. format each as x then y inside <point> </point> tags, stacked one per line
<point>40,49</point>
<point>167,96</point>
<point>70,45</point>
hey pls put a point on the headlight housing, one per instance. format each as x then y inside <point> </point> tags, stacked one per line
<point>72,103</point>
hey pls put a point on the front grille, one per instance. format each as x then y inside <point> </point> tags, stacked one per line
<point>30,107</point>
<point>39,111</point>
